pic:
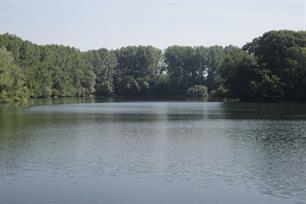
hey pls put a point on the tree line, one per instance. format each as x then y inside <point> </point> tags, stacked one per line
<point>271,67</point>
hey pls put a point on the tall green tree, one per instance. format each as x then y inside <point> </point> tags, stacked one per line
<point>12,85</point>
<point>282,54</point>
<point>137,68</point>
<point>188,66</point>
<point>238,71</point>
<point>103,63</point>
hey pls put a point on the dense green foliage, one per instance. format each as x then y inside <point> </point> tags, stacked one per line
<point>103,63</point>
<point>51,70</point>
<point>198,91</point>
<point>137,68</point>
<point>271,67</point>
<point>281,57</point>
<point>12,85</point>
<point>187,66</point>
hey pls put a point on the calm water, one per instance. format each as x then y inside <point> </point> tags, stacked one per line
<point>153,152</point>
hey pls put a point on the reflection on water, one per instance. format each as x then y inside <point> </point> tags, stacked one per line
<point>152,152</point>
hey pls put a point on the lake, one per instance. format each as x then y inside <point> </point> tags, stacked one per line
<point>152,152</point>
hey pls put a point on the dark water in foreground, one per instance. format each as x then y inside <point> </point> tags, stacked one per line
<point>153,152</point>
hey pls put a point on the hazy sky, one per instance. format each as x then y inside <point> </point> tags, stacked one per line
<point>115,23</point>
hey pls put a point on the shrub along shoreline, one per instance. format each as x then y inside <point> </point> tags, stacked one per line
<point>272,67</point>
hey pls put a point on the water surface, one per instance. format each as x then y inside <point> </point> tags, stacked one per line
<point>153,152</point>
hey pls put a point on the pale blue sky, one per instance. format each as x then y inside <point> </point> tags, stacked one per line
<point>94,24</point>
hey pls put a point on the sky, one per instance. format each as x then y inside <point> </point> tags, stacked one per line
<point>112,24</point>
